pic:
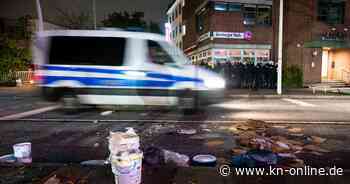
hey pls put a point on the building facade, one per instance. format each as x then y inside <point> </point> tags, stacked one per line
<point>316,34</point>
<point>316,38</point>
<point>175,28</point>
<point>229,31</point>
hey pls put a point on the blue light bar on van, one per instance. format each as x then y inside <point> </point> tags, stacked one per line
<point>135,29</point>
<point>111,29</point>
<point>132,29</point>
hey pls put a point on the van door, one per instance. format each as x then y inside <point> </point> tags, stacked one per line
<point>166,70</point>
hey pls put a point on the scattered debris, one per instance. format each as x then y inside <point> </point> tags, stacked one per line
<point>204,161</point>
<point>178,159</point>
<point>206,136</point>
<point>295,130</point>
<point>8,159</point>
<point>214,143</point>
<point>125,156</point>
<point>94,163</point>
<point>206,130</point>
<point>238,151</point>
<point>53,180</point>
<point>280,126</point>
<point>160,129</point>
<point>157,157</point>
<point>154,156</point>
<point>243,127</point>
<point>255,158</point>
<point>287,155</point>
<point>296,163</point>
<point>187,132</point>
<point>96,145</point>
<point>123,141</point>
<point>266,139</point>
<point>314,148</point>
<point>316,153</point>
<point>23,152</point>
<point>318,140</point>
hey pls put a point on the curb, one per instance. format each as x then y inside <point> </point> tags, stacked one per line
<point>289,96</point>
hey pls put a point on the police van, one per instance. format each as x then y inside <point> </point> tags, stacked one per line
<point>99,67</point>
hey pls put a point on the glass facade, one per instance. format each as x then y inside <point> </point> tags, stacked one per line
<point>220,6</point>
<point>233,55</point>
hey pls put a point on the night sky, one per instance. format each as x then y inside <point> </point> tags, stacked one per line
<point>154,9</point>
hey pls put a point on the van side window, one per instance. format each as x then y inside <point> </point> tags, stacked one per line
<point>101,51</point>
<point>157,54</point>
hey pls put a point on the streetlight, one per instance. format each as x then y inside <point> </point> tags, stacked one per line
<point>40,16</point>
<point>280,50</point>
<point>94,12</point>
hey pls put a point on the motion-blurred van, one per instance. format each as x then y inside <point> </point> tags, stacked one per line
<point>119,68</point>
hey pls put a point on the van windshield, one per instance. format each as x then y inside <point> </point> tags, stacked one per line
<point>175,53</point>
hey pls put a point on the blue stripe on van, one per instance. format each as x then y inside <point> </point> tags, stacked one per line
<point>111,71</point>
<point>172,77</point>
<point>90,81</point>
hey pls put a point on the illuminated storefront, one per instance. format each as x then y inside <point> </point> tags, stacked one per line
<point>255,54</point>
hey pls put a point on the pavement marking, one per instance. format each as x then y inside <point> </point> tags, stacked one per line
<point>29,113</point>
<point>298,102</point>
<point>106,113</point>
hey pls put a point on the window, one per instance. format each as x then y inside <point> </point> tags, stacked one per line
<point>200,22</point>
<point>87,51</point>
<point>157,54</point>
<point>264,15</point>
<point>176,12</point>
<point>220,6</point>
<point>249,14</point>
<point>183,29</point>
<point>175,32</point>
<point>242,55</point>
<point>331,11</point>
<point>234,7</point>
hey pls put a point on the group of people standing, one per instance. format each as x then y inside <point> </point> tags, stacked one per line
<point>246,75</point>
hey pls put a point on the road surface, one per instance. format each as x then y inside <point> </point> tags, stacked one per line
<point>27,104</point>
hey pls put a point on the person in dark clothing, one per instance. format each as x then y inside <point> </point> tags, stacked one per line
<point>258,76</point>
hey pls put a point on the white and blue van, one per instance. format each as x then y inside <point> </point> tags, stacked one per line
<point>96,67</point>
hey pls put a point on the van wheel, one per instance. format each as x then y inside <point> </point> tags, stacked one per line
<point>188,103</point>
<point>70,103</point>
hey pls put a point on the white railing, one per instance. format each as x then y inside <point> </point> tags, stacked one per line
<point>25,76</point>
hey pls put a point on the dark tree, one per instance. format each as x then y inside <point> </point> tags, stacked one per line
<point>154,28</point>
<point>125,20</point>
<point>73,20</point>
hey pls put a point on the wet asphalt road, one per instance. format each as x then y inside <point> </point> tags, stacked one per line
<point>14,101</point>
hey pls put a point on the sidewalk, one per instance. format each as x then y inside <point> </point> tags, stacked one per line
<point>302,93</point>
